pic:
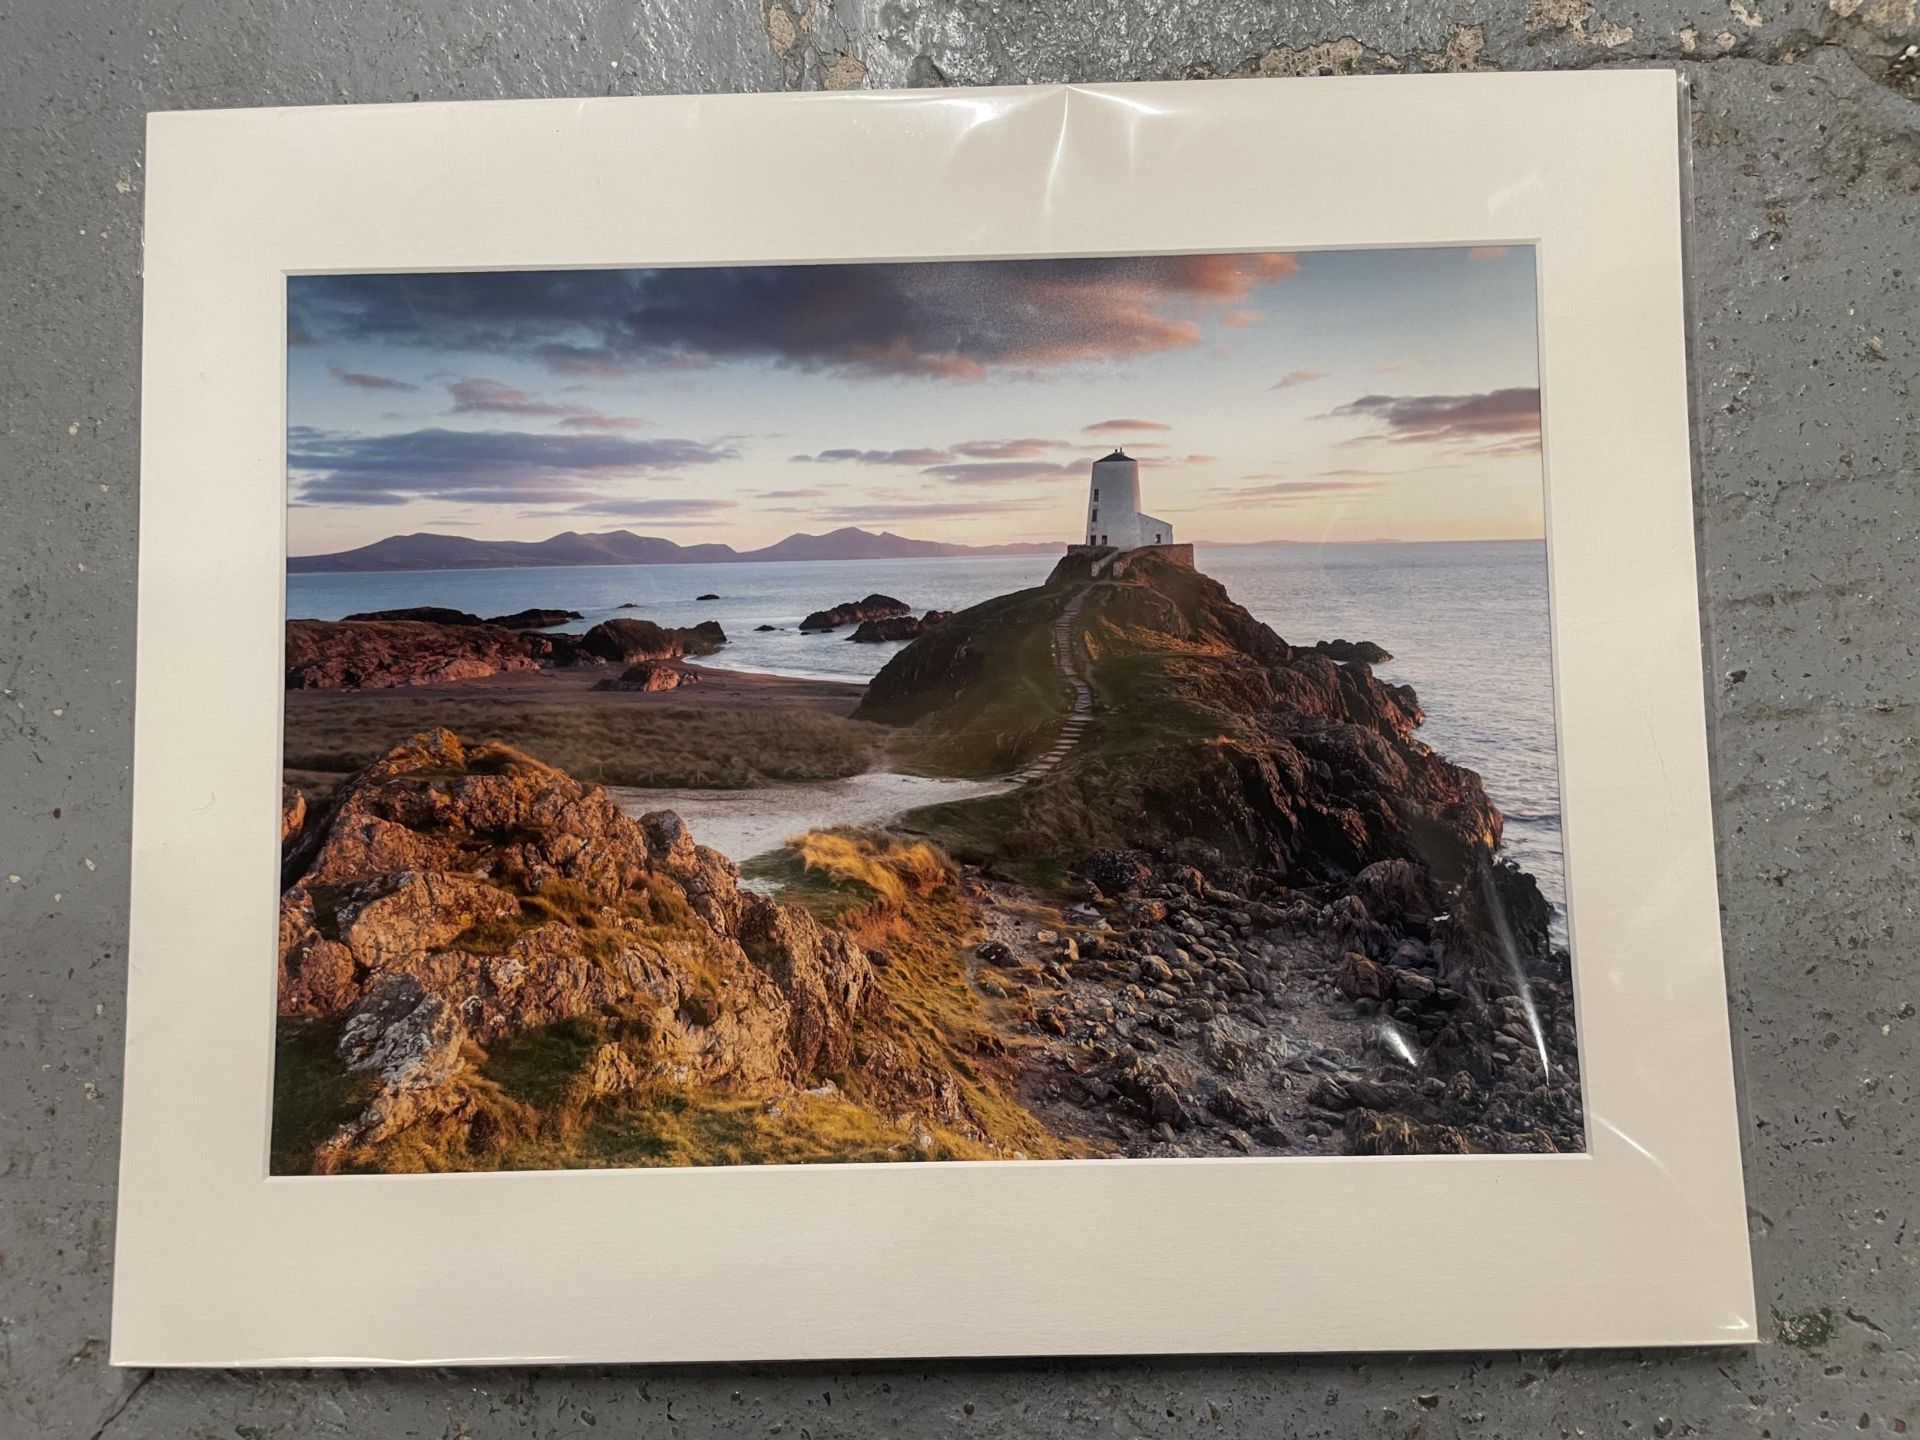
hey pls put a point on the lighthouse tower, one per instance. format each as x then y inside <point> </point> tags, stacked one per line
<point>1113,507</point>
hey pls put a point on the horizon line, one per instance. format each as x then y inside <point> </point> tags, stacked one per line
<point>965,544</point>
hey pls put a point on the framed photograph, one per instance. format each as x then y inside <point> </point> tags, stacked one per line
<point>797,774</point>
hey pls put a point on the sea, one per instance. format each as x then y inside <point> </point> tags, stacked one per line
<point>1466,623</point>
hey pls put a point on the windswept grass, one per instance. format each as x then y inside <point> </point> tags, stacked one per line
<point>313,1094</point>
<point>654,746</point>
<point>527,1102</point>
<point>901,900</point>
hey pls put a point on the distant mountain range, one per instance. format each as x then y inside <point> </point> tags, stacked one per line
<point>427,551</point>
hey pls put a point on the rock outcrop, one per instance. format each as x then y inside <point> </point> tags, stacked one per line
<point>534,619</point>
<point>1343,651</point>
<point>652,675</point>
<point>626,642</point>
<point>461,895</point>
<point>381,654</point>
<point>874,607</point>
<point>441,615</point>
<point>370,653</point>
<point>897,627</point>
<point>432,614</point>
<point>1264,838</point>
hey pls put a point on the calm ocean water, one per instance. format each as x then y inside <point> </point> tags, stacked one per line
<point>1467,625</point>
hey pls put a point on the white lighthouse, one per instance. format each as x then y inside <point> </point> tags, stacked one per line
<point>1113,507</point>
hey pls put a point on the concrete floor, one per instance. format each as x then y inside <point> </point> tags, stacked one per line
<point>1807,164</point>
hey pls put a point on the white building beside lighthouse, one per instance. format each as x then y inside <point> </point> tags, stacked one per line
<point>1114,518</point>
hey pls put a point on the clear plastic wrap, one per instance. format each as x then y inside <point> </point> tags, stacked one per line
<point>1265,789</point>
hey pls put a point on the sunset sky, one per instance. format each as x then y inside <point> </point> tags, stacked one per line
<point>1352,395</point>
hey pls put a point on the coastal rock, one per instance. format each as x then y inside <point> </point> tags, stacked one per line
<point>651,675</point>
<point>293,812</point>
<point>534,619</point>
<point>1344,651</point>
<point>1117,874</point>
<point>708,596</point>
<point>626,642</point>
<point>874,607</point>
<point>1395,888</point>
<point>896,628</point>
<point>382,654</point>
<point>431,614</point>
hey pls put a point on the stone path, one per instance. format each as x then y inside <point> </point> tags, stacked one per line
<point>1068,659</point>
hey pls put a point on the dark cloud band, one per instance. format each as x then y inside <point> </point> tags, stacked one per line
<point>478,466</point>
<point>954,319</point>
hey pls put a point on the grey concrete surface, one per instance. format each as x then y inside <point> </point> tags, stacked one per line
<point>1807,165</point>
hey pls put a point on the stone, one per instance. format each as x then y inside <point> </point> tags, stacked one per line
<point>874,607</point>
<point>1360,978</point>
<point>1345,651</point>
<point>652,676</point>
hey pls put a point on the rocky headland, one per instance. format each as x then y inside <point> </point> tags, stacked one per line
<point>1285,926</point>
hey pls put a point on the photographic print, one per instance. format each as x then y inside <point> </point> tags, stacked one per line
<point>952,711</point>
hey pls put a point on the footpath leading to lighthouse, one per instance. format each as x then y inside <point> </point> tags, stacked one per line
<point>1067,656</point>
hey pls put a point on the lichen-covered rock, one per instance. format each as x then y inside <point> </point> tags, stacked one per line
<point>462,894</point>
<point>825,977</point>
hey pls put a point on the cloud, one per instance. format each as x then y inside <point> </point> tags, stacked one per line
<point>594,420</point>
<point>849,456</point>
<point>1424,419</point>
<point>790,494</point>
<point>1297,377</point>
<point>1355,472</point>
<point>478,466</point>
<point>885,510</point>
<point>1234,319</point>
<point>1026,448</point>
<point>1123,427</point>
<point>648,508</point>
<point>1003,472</point>
<point>953,319</point>
<point>362,379</point>
<point>1291,492</point>
<point>1488,252</point>
<point>1023,448</point>
<point>477,395</point>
